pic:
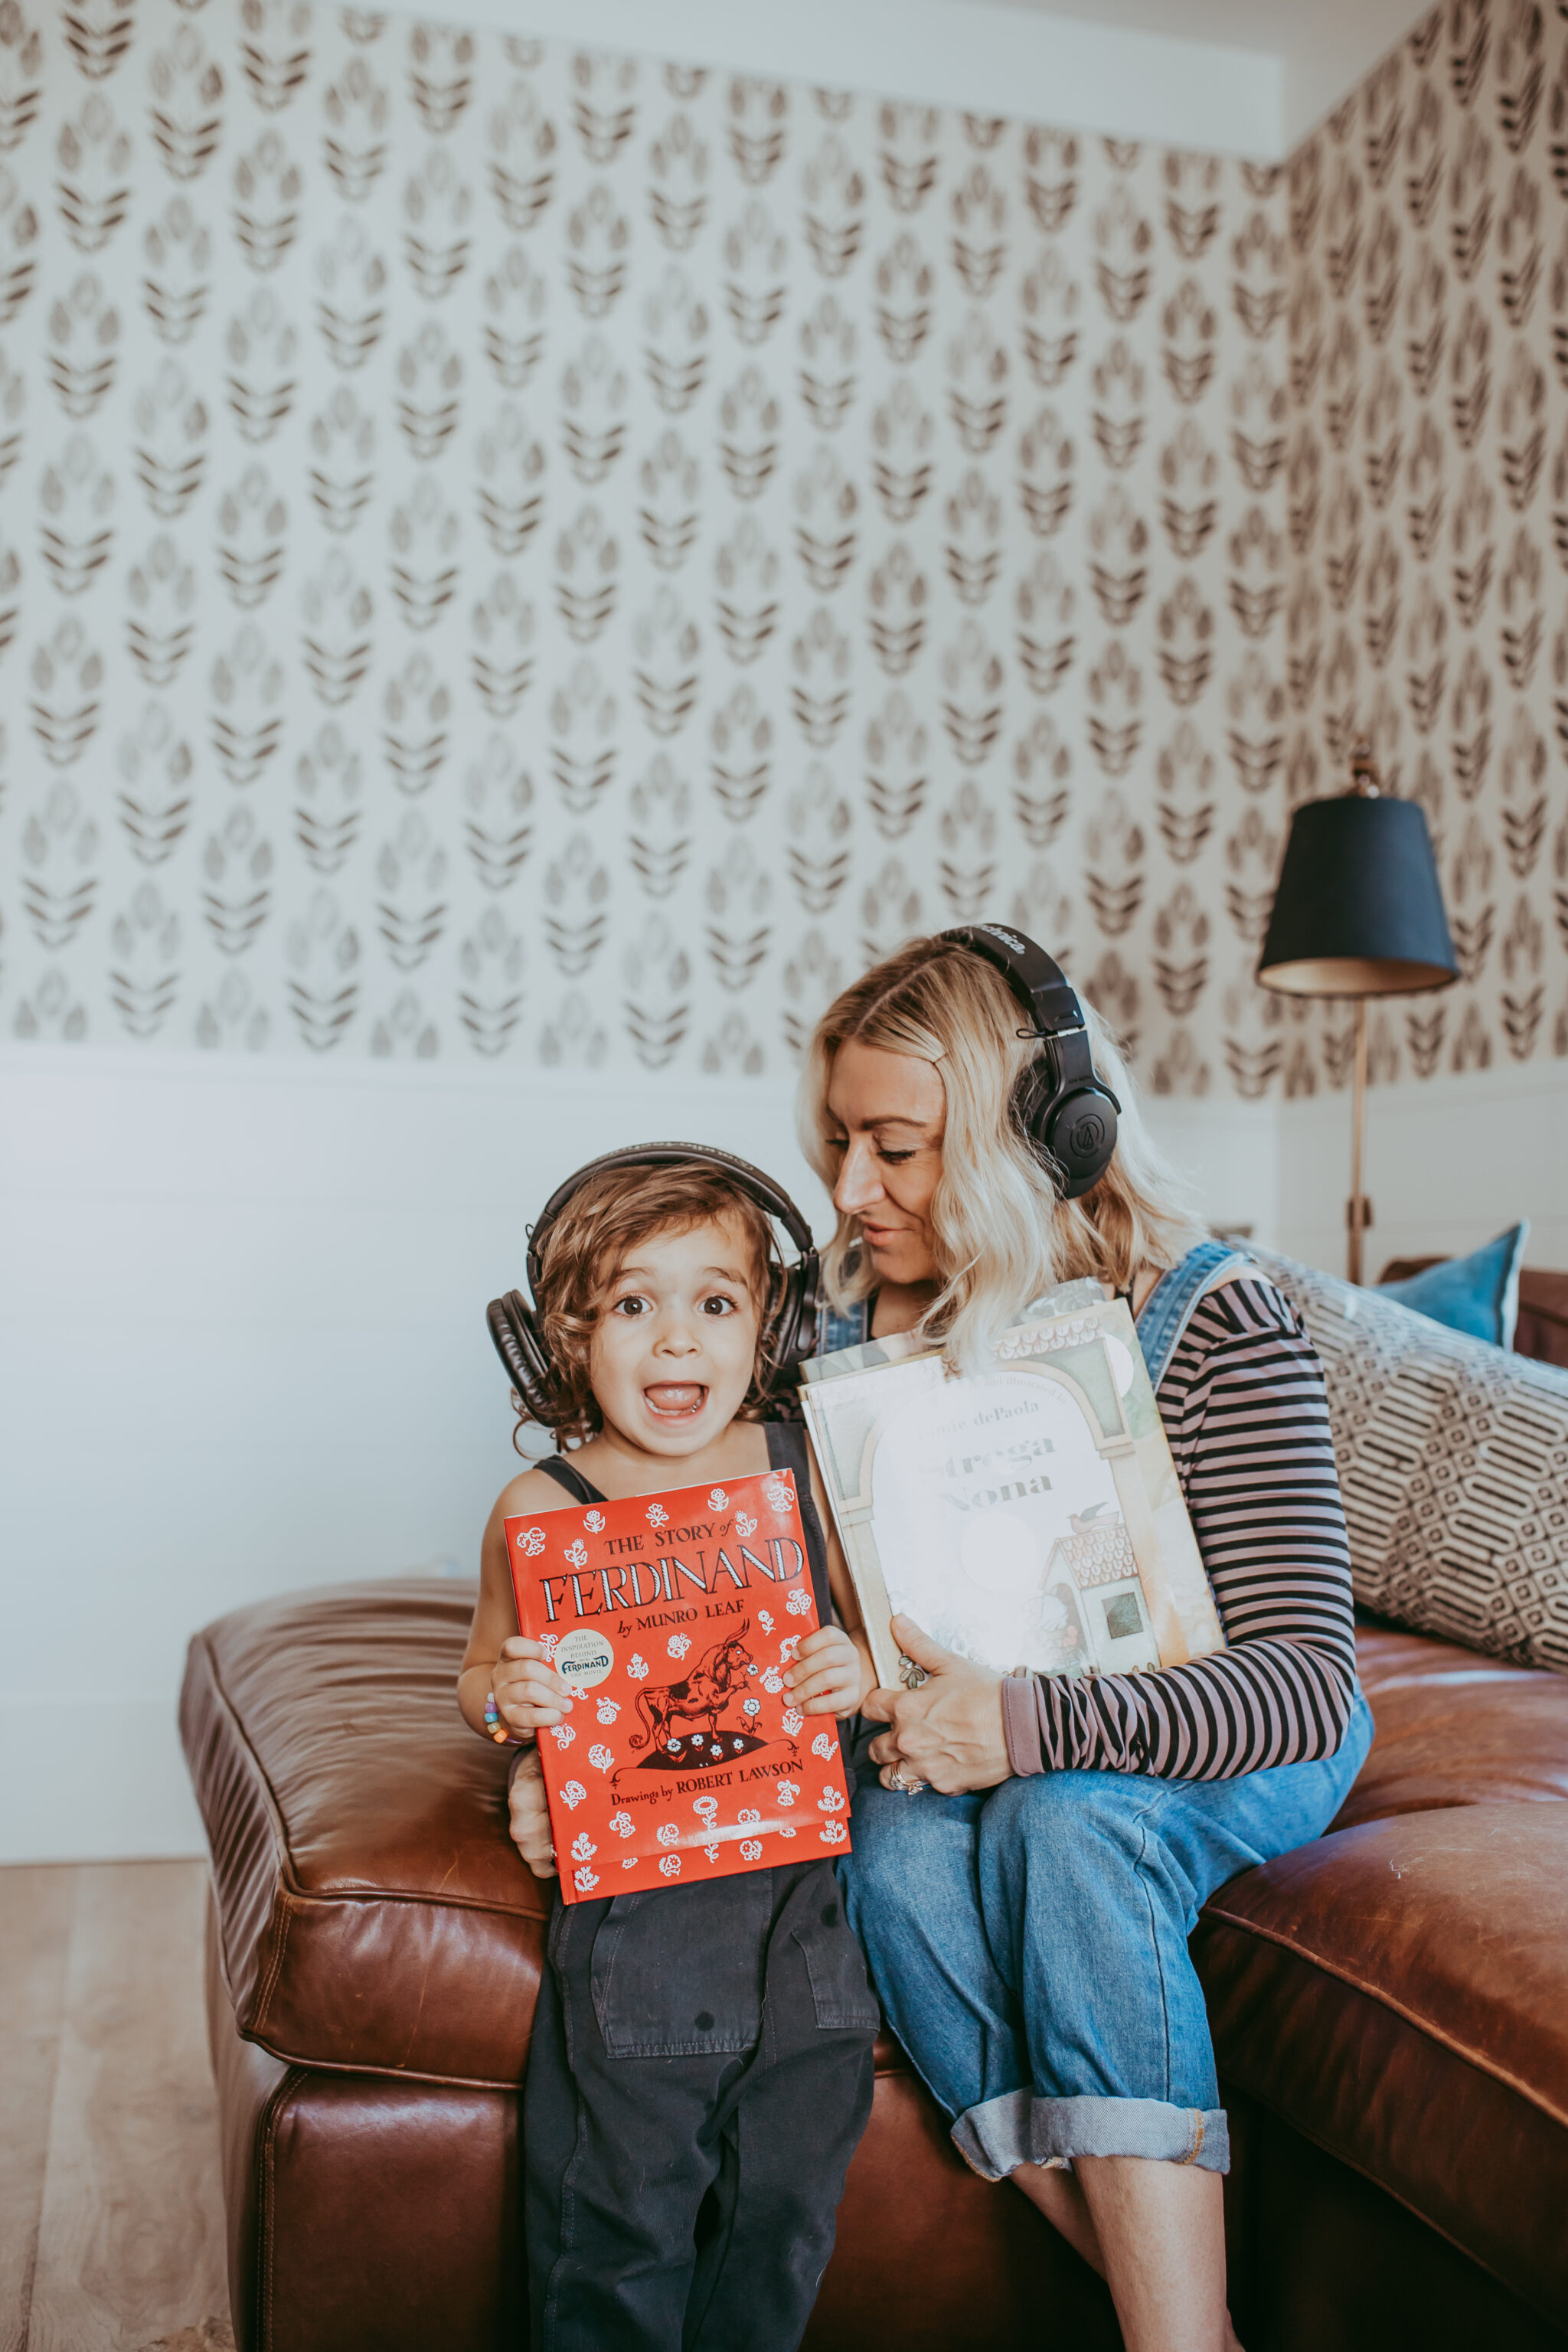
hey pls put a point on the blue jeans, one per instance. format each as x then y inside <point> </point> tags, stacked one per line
<point>1030,1946</point>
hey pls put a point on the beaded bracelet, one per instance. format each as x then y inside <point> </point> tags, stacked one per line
<point>498,1730</point>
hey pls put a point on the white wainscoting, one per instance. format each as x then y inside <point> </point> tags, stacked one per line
<point>1230,1150</point>
<point>1449,1163</point>
<point>242,1349</point>
<point>242,1346</point>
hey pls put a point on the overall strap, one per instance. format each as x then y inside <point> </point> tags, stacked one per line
<point>556,1467</point>
<point>845,1330</point>
<point>1174,1301</point>
<point>787,1451</point>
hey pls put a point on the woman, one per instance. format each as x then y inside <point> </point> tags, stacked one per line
<point>1030,1856</point>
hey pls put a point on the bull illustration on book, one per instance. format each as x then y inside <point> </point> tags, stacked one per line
<point>720,1677</point>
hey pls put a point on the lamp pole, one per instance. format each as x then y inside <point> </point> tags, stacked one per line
<point>1358,1208</point>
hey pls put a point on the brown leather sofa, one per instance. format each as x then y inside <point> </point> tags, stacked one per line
<point>1390,2008</point>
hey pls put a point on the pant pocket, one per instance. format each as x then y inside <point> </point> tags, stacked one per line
<point>677,1972</point>
<point>840,1988</point>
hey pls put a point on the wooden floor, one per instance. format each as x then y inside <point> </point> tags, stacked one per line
<point>110,2199</point>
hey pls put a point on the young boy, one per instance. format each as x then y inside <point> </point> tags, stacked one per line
<point>701,2067</point>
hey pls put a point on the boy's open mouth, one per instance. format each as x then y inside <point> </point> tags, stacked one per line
<point>675,1400</point>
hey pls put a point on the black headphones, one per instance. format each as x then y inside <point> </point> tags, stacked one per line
<point>791,1318</point>
<point>1066,1111</point>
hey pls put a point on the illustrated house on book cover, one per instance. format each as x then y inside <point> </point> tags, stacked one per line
<point>1093,1598</point>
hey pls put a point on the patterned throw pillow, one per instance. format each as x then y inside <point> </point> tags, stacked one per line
<point>1454,1465</point>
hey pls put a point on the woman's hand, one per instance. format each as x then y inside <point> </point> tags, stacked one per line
<point>530,1815</point>
<point>948,1733</point>
<point>827,1677</point>
<point>529,1694</point>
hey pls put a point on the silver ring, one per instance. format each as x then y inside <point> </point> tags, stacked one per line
<point>910,1788</point>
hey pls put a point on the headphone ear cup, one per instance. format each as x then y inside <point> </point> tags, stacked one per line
<point>1080,1135</point>
<point>794,1326</point>
<point>514,1332</point>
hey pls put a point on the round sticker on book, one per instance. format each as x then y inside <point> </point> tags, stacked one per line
<point>583,1659</point>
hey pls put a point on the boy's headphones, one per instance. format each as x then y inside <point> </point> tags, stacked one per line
<point>514,1322</point>
<point>1066,1111</point>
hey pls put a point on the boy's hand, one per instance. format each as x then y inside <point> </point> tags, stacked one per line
<point>529,1694</point>
<point>827,1675</point>
<point>530,1821</point>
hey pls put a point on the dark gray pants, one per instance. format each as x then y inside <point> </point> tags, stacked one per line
<point>698,2078</point>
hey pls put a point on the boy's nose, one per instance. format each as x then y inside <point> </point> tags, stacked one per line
<point>677,1338</point>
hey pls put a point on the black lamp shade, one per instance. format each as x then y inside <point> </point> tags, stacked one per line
<point>1358,911</point>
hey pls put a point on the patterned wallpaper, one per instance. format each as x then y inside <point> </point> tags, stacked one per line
<point>1427,507</point>
<point>513,553</point>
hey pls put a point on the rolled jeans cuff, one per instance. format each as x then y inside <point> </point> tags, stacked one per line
<point>1017,2129</point>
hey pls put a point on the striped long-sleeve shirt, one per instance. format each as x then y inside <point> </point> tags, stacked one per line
<point>1245,1411</point>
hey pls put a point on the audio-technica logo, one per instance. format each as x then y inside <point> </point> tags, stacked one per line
<point>1008,938</point>
<point>1088,1136</point>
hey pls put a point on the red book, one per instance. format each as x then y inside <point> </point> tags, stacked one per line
<point>671,1619</point>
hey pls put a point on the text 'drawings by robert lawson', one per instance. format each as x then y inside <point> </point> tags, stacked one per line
<point>1026,1516</point>
<point>672,1618</point>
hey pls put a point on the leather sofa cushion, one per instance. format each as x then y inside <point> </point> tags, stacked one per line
<point>1455,1728</point>
<point>374,1913</point>
<point>1398,1993</point>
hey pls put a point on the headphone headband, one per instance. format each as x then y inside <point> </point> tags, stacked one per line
<point>1034,977</point>
<point>753,1180</point>
<point>514,1321</point>
<point>1063,1107</point>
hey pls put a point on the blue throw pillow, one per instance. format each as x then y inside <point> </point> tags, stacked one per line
<point>1479,1294</point>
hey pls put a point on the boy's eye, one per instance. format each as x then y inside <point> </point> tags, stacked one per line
<point>634,1306</point>
<point>718,1304</point>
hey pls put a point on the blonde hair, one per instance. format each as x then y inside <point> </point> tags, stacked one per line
<point>1002,1232</point>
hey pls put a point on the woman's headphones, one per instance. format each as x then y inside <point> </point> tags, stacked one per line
<point>791,1319</point>
<point>1066,1111</point>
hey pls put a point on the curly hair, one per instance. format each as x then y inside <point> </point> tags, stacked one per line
<point>589,1242</point>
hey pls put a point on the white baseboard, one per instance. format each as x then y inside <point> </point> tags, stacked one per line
<point>101,1783</point>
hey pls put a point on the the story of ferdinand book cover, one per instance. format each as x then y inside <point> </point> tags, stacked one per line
<point>673,1618</point>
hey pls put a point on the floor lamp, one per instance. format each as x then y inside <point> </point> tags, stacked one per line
<point>1358,912</point>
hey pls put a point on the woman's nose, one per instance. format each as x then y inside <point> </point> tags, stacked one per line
<point>859,1183</point>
